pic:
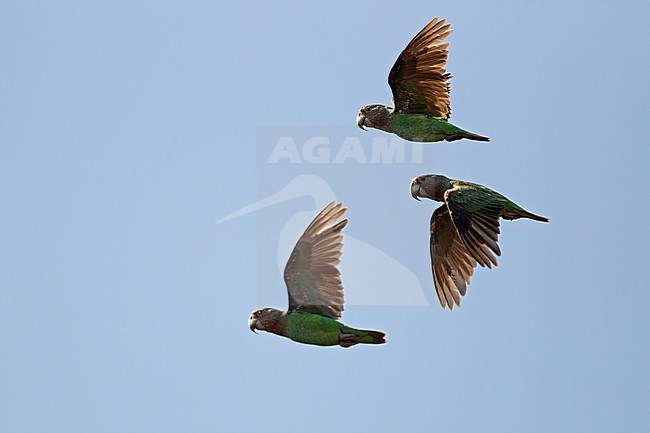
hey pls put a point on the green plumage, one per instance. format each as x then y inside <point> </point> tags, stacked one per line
<point>474,197</point>
<point>322,331</point>
<point>425,128</point>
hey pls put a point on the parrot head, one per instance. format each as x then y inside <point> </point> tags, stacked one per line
<point>373,116</point>
<point>263,319</point>
<point>431,186</point>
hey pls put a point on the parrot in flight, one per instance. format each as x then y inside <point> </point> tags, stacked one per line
<point>420,89</point>
<point>315,290</point>
<point>464,231</point>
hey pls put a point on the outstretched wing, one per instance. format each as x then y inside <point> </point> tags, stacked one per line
<point>475,212</point>
<point>312,278</point>
<point>418,78</point>
<point>452,265</point>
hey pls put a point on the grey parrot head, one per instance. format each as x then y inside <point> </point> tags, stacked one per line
<point>373,116</point>
<point>431,186</point>
<point>263,319</point>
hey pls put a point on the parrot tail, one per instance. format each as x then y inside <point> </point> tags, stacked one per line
<point>465,134</point>
<point>374,337</point>
<point>513,212</point>
<point>532,216</point>
<point>472,136</point>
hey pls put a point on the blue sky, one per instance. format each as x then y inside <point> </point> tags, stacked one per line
<point>128,129</point>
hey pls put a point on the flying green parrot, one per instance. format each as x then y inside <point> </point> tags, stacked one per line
<point>420,92</point>
<point>464,230</point>
<point>315,290</point>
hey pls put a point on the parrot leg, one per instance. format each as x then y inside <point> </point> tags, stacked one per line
<point>453,137</point>
<point>347,340</point>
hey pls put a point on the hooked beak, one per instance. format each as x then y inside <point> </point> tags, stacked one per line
<point>251,324</point>
<point>361,118</point>
<point>415,188</point>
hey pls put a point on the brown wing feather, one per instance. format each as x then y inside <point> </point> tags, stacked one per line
<point>418,78</point>
<point>311,274</point>
<point>452,265</point>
